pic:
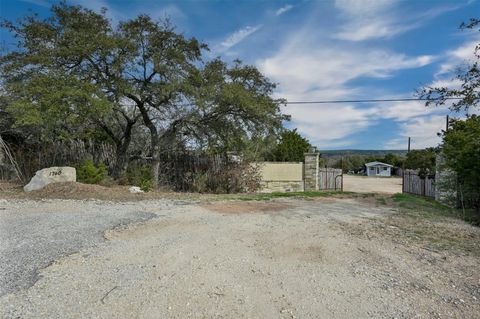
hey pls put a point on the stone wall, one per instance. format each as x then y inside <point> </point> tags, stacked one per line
<point>281,177</point>
<point>291,177</point>
<point>281,186</point>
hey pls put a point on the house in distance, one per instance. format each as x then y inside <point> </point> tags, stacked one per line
<point>378,169</point>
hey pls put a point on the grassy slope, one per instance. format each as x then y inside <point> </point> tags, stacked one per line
<point>432,225</point>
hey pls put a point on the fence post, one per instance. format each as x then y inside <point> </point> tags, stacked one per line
<point>342,180</point>
<point>424,189</point>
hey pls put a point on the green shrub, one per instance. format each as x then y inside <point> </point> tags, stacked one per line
<point>200,182</point>
<point>88,173</point>
<point>146,185</point>
<point>140,175</point>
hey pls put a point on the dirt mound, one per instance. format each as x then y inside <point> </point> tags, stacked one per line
<point>75,190</point>
<point>71,190</point>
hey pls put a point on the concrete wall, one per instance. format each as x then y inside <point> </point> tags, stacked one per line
<point>281,177</point>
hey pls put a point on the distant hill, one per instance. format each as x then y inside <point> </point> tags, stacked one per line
<point>376,153</point>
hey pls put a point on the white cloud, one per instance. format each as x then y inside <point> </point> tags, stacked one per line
<point>455,58</point>
<point>303,69</point>
<point>364,7</point>
<point>310,68</point>
<point>367,19</point>
<point>377,29</point>
<point>404,111</point>
<point>374,19</point>
<point>283,9</point>
<point>237,37</point>
<point>327,125</point>
<point>423,132</point>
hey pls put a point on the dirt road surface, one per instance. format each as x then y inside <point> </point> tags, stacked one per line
<point>370,184</point>
<point>282,259</point>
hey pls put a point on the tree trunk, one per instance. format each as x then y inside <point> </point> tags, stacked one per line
<point>154,139</point>
<point>122,151</point>
<point>155,163</point>
<point>155,171</point>
<point>121,163</point>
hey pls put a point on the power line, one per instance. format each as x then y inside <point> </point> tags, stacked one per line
<point>370,100</point>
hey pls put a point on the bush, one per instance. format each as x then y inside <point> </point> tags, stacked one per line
<point>234,177</point>
<point>140,175</point>
<point>146,185</point>
<point>200,182</point>
<point>88,173</point>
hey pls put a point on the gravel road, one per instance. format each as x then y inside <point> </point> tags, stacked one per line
<point>33,234</point>
<point>279,259</point>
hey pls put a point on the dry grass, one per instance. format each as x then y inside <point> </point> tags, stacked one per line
<point>420,222</point>
<point>79,191</point>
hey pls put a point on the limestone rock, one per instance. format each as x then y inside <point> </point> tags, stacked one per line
<point>135,190</point>
<point>51,175</point>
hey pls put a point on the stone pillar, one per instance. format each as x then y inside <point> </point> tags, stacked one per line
<point>310,174</point>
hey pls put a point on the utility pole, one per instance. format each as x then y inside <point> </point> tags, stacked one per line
<point>446,127</point>
<point>408,145</point>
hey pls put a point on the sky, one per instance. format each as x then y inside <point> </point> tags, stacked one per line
<point>326,50</point>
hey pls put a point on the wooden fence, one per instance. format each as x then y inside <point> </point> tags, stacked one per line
<point>33,157</point>
<point>181,171</point>
<point>415,184</point>
<point>330,178</point>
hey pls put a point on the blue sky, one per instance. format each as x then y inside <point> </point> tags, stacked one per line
<point>326,50</point>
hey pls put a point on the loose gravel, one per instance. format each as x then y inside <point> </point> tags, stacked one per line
<point>35,233</point>
<point>268,259</point>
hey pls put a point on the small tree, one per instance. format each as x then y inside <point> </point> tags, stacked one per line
<point>461,148</point>
<point>421,160</point>
<point>291,147</point>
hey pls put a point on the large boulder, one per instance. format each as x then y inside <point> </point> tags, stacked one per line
<point>51,175</point>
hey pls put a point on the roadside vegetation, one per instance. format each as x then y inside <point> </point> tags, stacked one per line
<point>434,226</point>
<point>420,222</point>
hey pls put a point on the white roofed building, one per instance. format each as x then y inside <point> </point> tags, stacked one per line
<point>378,169</point>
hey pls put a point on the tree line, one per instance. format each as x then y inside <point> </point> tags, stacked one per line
<point>139,85</point>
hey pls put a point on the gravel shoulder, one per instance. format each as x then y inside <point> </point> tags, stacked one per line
<point>35,233</point>
<point>318,258</point>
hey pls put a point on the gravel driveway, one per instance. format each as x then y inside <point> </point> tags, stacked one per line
<point>372,184</point>
<point>320,258</point>
<point>33,234</point>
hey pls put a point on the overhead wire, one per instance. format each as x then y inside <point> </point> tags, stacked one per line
<point>370,100</point>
